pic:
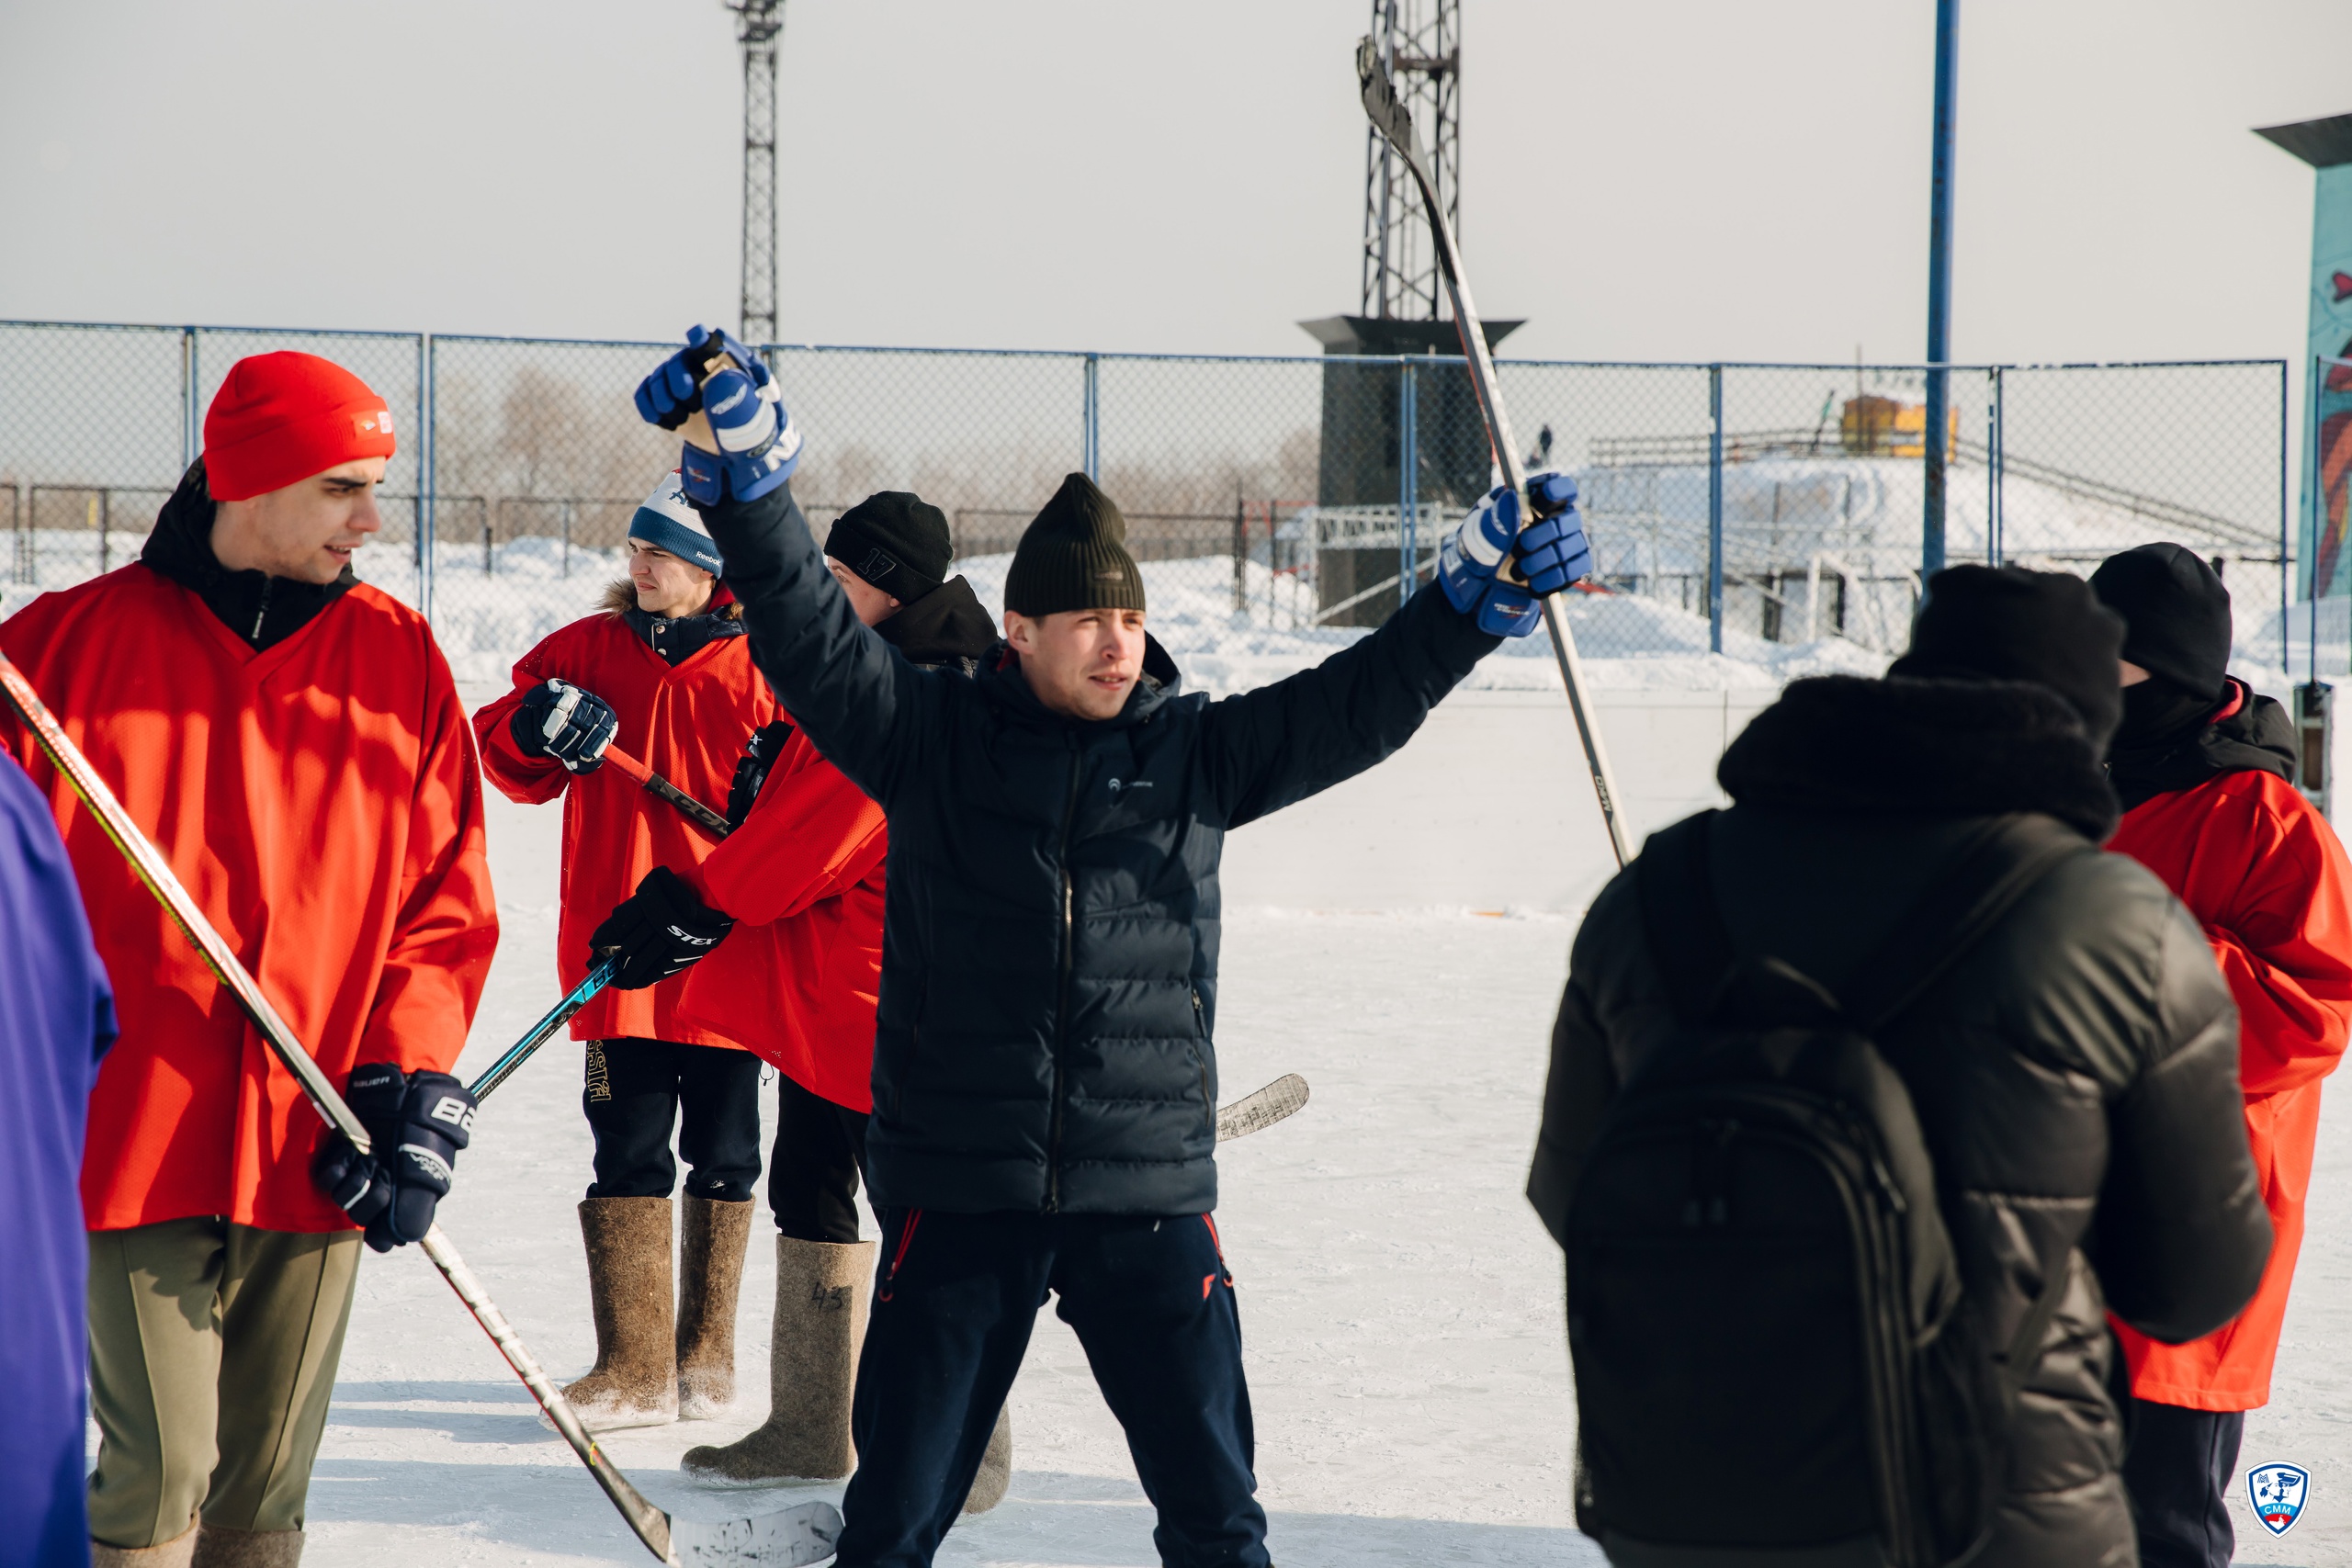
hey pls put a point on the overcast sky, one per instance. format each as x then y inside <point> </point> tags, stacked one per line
<point>1699,180</point>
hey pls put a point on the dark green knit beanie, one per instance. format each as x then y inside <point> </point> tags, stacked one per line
<point>1072,557</point>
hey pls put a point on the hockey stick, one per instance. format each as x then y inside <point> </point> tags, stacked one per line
<point>147,862</point>
<point>1395,123</point>
<point>1256,1112</point>
<point>598,977</point>
<point>702,816</point>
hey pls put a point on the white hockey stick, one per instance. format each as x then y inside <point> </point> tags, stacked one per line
<point>1256,1112</point>
<point>738,1543</point>
<point>1395,123</point>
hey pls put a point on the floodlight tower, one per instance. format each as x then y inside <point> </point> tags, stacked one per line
<point>757,25</point>
<point>1420,42</point>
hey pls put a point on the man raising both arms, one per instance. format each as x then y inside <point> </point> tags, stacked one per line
<point>290,740</point>
<point>1044,1084</point>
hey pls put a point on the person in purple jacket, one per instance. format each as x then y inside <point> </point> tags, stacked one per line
<point>56,1022</point>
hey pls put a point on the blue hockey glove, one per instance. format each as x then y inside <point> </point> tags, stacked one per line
<point>558,719</point>
<point>1551,553</point>
<point>758,444</point>
<point>674,389</point>
<point>418,1156</point>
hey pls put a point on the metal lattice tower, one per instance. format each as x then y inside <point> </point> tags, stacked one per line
<point>1421,40</point>
<point>758,23</point>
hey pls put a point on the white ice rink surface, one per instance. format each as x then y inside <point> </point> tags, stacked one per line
<point>1400,1302</point>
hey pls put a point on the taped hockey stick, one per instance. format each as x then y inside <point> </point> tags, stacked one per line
<point>1256,1112</point>
<point>598,977</point>
<point>702,816</point>
<point>147,862</point>
<point>1395,123</point>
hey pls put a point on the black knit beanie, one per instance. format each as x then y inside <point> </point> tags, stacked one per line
<point>895,540</point>
<point>1073,556</point>
<point>2176,616</point>
<point>2005,623</point>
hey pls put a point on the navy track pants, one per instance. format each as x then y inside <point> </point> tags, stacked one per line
<point>954,1299</point>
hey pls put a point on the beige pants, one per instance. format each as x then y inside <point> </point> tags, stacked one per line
<point>212,1355</point>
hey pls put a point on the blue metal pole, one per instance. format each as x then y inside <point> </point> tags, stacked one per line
<point>1931,550</point>
<point>191,441</point>
<point>1092,436</point>
<point>1408,473</point>
<point>425,477</point>
<point>2286,547</point>
<point>1715,508</point>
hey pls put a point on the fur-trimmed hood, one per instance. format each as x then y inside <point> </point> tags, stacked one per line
<point>620,598</point>
<point>1906,746</point>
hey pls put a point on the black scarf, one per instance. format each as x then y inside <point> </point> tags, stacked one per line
<point>1910,746</point>
<point>262,609</point>
<point>2171,739</point>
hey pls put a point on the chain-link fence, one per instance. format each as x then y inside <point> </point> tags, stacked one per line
<point>1769,513</point>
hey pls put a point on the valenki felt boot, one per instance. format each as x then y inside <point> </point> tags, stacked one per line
<point>994,1477</point>
<point>820,1300</point>
<point>176,1552</point>
<point>710,1270</point>
<point>635,1381</point>
<point>219,1548</point>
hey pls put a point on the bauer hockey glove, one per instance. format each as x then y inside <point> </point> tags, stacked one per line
<point>657,930</point>
<point>434,1120</point>
<point>558,719</point>
<point>1551,553</point>
<point>758,444</point>
<point>354,1183</point>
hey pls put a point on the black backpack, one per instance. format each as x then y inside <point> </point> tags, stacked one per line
<point>1773,1350</point>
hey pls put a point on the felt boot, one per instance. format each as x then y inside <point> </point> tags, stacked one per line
<point>994,1477</point>
<point>219,1548</point>
<point>710,1268</point>
<point>176,1552</point>
<point>820,1298</point>
<point>635,1381</point>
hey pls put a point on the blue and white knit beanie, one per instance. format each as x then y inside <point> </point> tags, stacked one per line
<point>667,521</point>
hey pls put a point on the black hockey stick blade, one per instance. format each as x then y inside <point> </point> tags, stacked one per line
<point>791,1538</point>
<point>1256,1112</point>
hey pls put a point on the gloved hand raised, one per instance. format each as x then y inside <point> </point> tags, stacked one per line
<point>757,445</point>
<point>558,719</point>
<point>657,930</point>
<point>418,1122</point>
<point>1552,553</point>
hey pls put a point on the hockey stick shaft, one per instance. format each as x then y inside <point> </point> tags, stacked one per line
<point>539,1033</point>
<point>1390,117</point>
<point>147,862</point>
<point>702,816</point>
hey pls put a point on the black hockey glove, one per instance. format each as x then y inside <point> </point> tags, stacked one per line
<point>657,930</point>
<point>558,719</point>
<point>434,1120</point>
<point>752,768</point>
<point>354,1183</point>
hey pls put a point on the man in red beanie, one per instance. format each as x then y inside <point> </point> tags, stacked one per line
<point>292,740</point>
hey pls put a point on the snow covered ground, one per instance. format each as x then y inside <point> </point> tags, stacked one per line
<point>1400,1302</point>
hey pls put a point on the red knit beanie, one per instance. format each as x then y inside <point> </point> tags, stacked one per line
<point>282,417</point>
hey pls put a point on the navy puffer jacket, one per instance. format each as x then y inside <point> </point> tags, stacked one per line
<point>1050,929</point>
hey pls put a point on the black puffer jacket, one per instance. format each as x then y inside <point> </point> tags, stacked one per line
<point>2075,1071</point>
<point>1049,938</point>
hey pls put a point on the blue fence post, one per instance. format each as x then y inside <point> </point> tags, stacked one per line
<point>1933,446</point>
<point>1091,437</point>
<point>1408,463</point>
<point>1995,456</point>
<point>426,484</point>
<point>1715,508</point>
<point>191,427</point>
